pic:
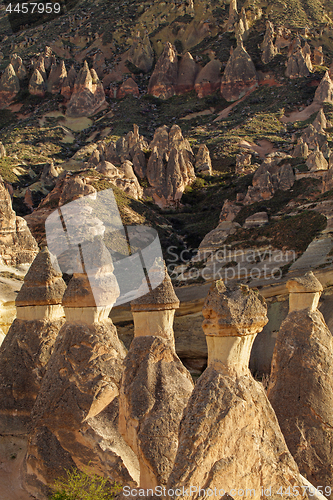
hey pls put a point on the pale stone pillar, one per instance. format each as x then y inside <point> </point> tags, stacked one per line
<point>304,292</point>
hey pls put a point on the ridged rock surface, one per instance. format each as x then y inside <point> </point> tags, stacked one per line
<point>163,80</point>
<point>88,94</point>
<point>239,76</point>
<point>29,343</point>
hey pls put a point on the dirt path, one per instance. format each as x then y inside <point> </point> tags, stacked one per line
<point>301,116</point>
<point>263,147</point>
<point>12,452</point>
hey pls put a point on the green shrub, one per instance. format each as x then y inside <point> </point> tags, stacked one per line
<point>83,485</point>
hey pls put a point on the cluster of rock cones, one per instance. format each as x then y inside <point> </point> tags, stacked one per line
<point>70,389</point>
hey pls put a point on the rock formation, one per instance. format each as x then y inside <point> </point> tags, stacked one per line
<point>187,72</point>
<point>169,168</point>
<point>37,85</point>
<point>269,51</point>
<point>141,53</point>
<point>299,64</point>
<point>300,388</point>
<point>320,122</point>
<point>88,94</point>
<point>18,66</point>
<point>203,163</point>
<point>29,343</point>
<point>122,177</point>
<point>324,92</point>
<point>155,386</point>
<point>301,150</point>
<point>268,178</point>
<point>313,138</point>
<point>316,161</point>
<point>239,76</point>
<point>331,70</point>
<point>17,246</point>
<point>229,211</point>
<point>9,86</point>
<point>129,87</point>
<point>318,56</point>
<point>163,80</point>
<point>78,399</point>
<point>256,220</point>
<point>50,174</point>
<point>68,83</point>
<point>208,79</point>
<point>233,16</point>
<point>229,437</point>
<point>57,76</point>
<point>283,36</point>
<point>243,163</point>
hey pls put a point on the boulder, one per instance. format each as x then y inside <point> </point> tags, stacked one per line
<point>17,245</point>
<point>141,53</point>
<point>318,56</point>
<point>324,92</point>
<point>57,76</point>
<point>163,80</point>
<point>37,85</point>
<point>300,388</point>
<point>187,72</point>
<point>256,220</point>
<point>155,386</point>
<point>78,399</point>
<point>203,163</point>
<point>129,87</point>
<point>228,411</point>
<point>268,48</point>
<point>215,238</point>
<point>88,94</point>
<point>29,343</point>
<point>316,161</point>
<point>208,79</point>
<point>239,76</point>
<point>9,86</point>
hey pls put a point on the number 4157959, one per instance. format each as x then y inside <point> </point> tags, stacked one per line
<point>26,8</point>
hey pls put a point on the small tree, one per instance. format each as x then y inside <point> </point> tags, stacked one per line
<point>82,485</point>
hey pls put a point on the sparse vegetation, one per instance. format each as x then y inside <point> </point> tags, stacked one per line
<point>83,485</point>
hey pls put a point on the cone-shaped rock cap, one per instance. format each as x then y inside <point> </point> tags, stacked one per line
<point>161,298</point>
<point>43,283</point>
<point>233,311</point>
<point>305,284</point>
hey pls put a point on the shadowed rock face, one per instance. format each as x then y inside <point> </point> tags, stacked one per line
<point>240,75</point>
<point>208,79</point>
<point>299,63</point>
<point>18,66</point>
<point>301,382</point>
<point>187,72</point>
<point>229,434</point>
<point>57,76</point>
<point>163,81</point>
<point>17,245</point>
<point>141,53</point>
<point>68,83</point>
<point>269,50</point>
<point>129,87</point>
<point>29,343</point>
<point>155,386</point>
<point>9,86</point>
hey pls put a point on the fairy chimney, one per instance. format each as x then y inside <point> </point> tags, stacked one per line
<point>155,385</point>
<point>229,434</point>
<point>29,342</point>
<point>301,381</point>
